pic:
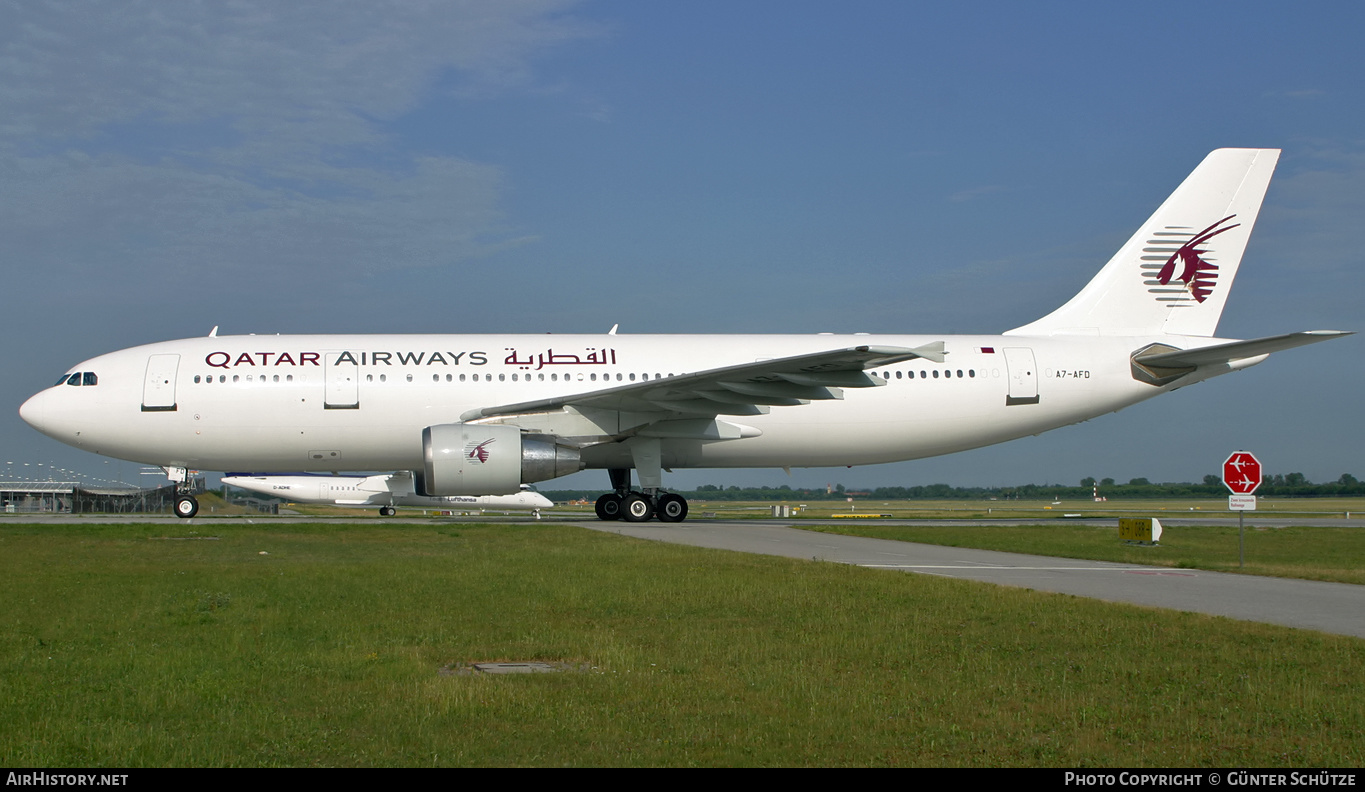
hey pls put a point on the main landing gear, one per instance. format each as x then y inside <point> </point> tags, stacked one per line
<point>625,504</point>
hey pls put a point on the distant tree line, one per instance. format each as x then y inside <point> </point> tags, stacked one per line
<point>1289,485</point>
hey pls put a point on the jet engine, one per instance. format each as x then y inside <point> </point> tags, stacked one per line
<point>474,459</point>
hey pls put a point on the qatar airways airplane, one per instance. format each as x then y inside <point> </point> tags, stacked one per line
<point>386,491</point>
<point>482,414</point>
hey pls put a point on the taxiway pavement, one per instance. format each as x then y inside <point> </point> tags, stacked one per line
<point>1307,604</point>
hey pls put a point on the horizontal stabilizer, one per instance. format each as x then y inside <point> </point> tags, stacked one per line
<point>1235,350</point>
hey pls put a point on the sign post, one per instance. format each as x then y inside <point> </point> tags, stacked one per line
<point>1140,530</point>
<point>1241,475</point>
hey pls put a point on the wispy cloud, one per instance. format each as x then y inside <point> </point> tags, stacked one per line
<point>251,136</point>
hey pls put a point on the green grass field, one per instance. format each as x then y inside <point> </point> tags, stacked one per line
<point>302,645</point>
<point>1333,553</point>
<point>1318,553</point>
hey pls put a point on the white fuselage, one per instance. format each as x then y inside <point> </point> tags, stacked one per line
<point>474,415</point>
<point>360,402</point>
<point>381,490</point>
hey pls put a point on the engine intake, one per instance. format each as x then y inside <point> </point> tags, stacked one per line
<point>477,459</point>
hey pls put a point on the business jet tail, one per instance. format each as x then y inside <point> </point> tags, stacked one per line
<point>1174,275</point>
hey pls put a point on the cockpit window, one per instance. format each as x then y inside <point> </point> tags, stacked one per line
<point>61,379</point>
<point>79,378</point>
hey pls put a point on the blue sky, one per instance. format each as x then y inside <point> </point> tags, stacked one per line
<point>538,166</point>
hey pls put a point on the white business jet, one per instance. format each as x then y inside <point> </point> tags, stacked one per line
<point>386,491</point>
<point>481,415</point>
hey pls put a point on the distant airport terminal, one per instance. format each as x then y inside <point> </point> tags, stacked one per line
<point>70,497</point>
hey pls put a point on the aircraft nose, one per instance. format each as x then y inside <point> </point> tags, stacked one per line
<point>42,413</point>
<point>34,412</point>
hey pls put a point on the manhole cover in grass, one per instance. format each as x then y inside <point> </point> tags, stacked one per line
<point>507,668</point>
<point>514,668</point>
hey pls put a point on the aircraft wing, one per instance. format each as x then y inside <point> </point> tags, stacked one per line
<point>1236,350</point>
<point>745,389</point>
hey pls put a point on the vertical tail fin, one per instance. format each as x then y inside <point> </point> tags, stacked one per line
<point>1173,276</point>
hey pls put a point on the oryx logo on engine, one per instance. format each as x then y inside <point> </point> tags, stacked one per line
<point>478,451</point>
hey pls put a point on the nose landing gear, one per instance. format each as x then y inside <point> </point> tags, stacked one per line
<point>186,506</point>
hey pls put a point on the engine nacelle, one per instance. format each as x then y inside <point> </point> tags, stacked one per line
<point>476,459</point>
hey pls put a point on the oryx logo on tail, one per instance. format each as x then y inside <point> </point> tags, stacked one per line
<point>1198,273</point>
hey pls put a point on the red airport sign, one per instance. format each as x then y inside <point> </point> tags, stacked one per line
<point>1242,473</point>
